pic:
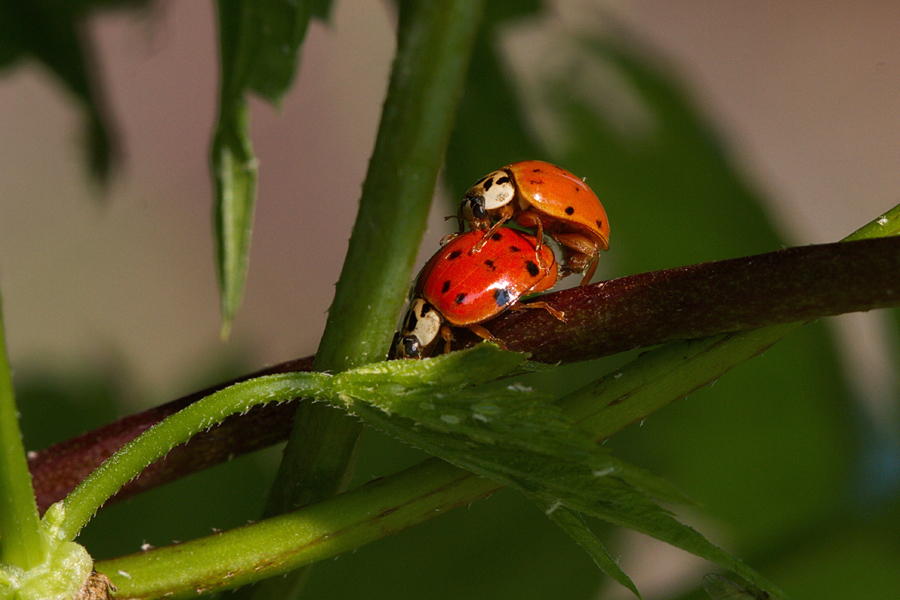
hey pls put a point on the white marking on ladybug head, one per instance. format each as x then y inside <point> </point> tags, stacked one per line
<point>419,330</point>
<point>494,191</point>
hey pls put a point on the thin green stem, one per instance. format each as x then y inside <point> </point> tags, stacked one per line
<point>280,544</point>
<point>23,545</point>
<point>128,462</point>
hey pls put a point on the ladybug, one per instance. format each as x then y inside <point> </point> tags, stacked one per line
<point>460,288</point>
<point>537,194</point>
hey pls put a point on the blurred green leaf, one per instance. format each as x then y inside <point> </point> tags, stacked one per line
<point>722,588</point>
<point>259,44</point>
<point>674,197</point>
<point>490,130</point>
<point>52,32</point>
<point>854,558</point>
<point>281,28</point>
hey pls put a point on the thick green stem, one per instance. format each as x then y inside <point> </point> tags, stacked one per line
<point>23,545</point>
<point>434,45</point>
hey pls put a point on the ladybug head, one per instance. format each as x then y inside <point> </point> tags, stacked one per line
<point>418,332</point>
<point>489,194</point>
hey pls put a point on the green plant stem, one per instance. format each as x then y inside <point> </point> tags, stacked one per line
<point>601,408</point>
<point>23,546</point>
<point>89,496</point>
<point>434,45</point>
<point>313,533</point>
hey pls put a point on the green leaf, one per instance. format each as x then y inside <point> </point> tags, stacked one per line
<point>625,507</point>
<point>234,171</point>
<point>509,434</point>
<point>573,524</point>
<point>282,26</point>
<point>503,427</point>
<point>722,588</point>
<point>259,44</point>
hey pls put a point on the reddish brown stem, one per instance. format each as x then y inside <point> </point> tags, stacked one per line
<point>637,311</point>
<point>791,285</point>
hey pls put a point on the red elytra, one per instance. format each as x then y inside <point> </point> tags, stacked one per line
<point>538,194</point>
<point>461,288</point>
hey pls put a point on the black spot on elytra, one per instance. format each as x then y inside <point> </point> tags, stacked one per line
<point>514,249</point>
<point>600,224</point>
<point>502,297</point>
<point>490,265</point>
<point>497,236</point>
<point>446,287</point>
<point>454,254</point>
<point>532,268</point>
<point>460,298</point>
<point>570,210</point>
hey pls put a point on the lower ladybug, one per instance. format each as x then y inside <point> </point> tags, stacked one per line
<point>458,288</point>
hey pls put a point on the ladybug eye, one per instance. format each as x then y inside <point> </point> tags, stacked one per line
<point>410,347</point>
<point>473,208</point>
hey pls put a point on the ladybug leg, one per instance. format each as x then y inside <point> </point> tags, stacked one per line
<point>581,254</point>
<point>532,219</point>
<point>589,273</point>
<point>449,236</point>
<point>486,335</point>
<point>558,314</point>
<point>447,334</point>
<point>505,215</point>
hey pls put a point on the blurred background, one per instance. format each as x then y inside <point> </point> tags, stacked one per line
<point>793,134</point>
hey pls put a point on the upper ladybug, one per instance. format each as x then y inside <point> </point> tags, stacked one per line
<point>537,194</point>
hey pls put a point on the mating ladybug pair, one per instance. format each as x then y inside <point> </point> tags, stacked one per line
<point>483,272</point>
